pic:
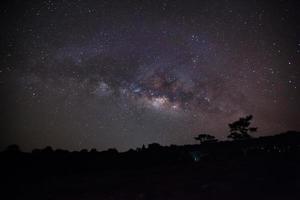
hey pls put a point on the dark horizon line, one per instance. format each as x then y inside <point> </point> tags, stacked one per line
<point>85,150</point>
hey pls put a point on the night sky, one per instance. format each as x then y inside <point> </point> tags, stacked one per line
<point>100,74</point>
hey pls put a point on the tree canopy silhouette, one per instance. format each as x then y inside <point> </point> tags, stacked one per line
<point>205,138</point>
<point>240,129</point>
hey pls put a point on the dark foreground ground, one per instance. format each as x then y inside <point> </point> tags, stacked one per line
<point>268,178</point>
<point>252,175</point>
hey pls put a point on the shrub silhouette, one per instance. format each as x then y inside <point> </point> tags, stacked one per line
<point>240,129</point>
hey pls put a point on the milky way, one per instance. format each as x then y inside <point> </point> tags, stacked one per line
<point>83,74</point>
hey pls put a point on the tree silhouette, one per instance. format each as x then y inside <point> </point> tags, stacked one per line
<point>13,148</point>
<point>93,150</point>
<point>48,149</point>
<point>240,129</point>
<point>83,151</point>
<point>205,138</point>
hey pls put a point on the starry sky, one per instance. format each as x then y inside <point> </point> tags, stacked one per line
<point>98,74</point>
